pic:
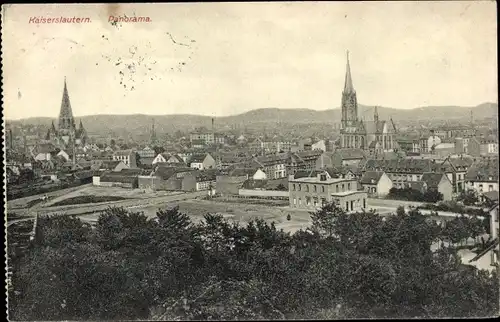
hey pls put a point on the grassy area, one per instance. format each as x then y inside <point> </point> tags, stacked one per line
<point>87,199</point>
<point>252,201</point>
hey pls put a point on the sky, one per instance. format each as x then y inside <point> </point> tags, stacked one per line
<point>222,59</point>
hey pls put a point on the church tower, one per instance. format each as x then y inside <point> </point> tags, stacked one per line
<point>349,100</point>
<point>66,120</point>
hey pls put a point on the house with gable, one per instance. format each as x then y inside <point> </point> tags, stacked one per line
<point>202,161</point>
<point>376,183</point>
<point>439,182</point>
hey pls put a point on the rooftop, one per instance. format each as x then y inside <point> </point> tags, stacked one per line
<point>317,180</point>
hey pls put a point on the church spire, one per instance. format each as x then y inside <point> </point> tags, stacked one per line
<point>348,87</point>
<point>66,120</point>
<point>375,114</point>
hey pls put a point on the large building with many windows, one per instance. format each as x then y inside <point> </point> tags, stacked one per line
<point>312,192</point>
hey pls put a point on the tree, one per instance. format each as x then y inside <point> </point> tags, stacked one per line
<point>281,187</point>
<point>468,197</point>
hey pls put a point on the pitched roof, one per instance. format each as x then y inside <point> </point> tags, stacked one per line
<point>123,152</point>
<point>118,177</point>
<point>416,185</point>
<point>238,172</point>
<point>491,195</point>
<point>273,159</point>
<point>371,177</point>
<point>165,172</point>
<point>350,154</point>
<point>400,165</point>
<point>206,175</point>
<point>432,179</point>
<point>336,172</point>
<point>483,170</point>
<point>198,158</point>
<point>109,164</point>
<point>307,173</point>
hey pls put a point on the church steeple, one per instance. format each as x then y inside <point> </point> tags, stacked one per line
<point>348,87</point>
<point>375,115</point>
<point>66,120</point>
<point>153,133</point>
<point>349,100</point>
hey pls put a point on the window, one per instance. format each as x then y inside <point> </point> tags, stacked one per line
<point>315,189</point>
<point>347,205</point>
<point>322,188</point>
<point>490,187</point>
<point>343,187</point>
<point>300,201</point>
<point>336,188</point>
<point>308,201</point>
<point>481,188</point>
<point>349,186</point>
<point>299,190</point>
<point>294,201</point>
<point>294,187</point>
<point>307,188</point>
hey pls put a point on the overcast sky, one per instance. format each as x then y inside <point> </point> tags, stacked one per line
<point>229,58</point>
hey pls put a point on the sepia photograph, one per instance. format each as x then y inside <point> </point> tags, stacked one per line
<point>250,161</point>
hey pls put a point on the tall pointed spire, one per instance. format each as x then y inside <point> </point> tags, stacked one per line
<point>348,87</point>
<point>375,114</point>
<point>66,120</point>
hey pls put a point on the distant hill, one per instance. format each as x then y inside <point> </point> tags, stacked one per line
<point>131,123</point>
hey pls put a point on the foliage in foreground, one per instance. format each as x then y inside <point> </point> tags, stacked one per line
<point>345,266</point>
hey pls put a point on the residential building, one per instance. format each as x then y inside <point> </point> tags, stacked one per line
<point>357,133</point>
<point>314,192</point>
<point>273,165</point>
<point>303,160</point>
<point>160,158</point>
<point>202,161</point>
<point>438,182</point>
<point>376,183</point>
<point>199,180</point>
<point>402,170</point>
<point>482,147</point>
<point>346,157</point>
<point>455,169</point>
<point>482,176</point>
<point>127,156</point>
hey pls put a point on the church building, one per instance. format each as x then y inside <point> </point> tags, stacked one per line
<point>67,132</point>
<point>356,133</point>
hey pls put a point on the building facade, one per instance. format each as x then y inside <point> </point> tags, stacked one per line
<point>314,192</point>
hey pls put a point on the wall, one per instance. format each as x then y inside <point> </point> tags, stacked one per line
<point>384,185</point>
<point>148,182</point>
<point>323,191</point>
<point>259,175</point>
<point>188,183</point>
<point>475,186</point>
<point>96,180</point>
<point>446,188</point>
<point>262,193</point>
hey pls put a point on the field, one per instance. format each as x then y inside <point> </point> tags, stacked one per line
<point>241,213</point>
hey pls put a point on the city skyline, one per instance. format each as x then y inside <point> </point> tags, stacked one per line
<point>282,59</point>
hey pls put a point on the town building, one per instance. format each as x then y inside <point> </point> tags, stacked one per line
<point>357,133</point>
<point>482,147</point>
<point>482,176</point>
<point>438,182</point>
<point>129,157</point>
<point>274,165</point>
<point>202,161</point>
<point>376,183</point>
<point>314,192</point>
<point>302,160</point>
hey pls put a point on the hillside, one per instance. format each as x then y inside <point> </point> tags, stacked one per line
<point>130,123</point>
